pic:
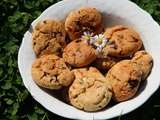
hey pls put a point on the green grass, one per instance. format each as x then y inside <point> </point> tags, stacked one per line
<point>15,101</point>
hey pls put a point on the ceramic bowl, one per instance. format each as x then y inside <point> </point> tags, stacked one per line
<point>114,12</point>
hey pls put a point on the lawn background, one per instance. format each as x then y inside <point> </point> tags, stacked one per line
<point>15,101</point>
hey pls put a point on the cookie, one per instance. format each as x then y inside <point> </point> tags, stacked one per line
<point>79,54</point>
<point>106,63</point>
<point>48,38</point>
<point>123,41</point>
<point>145,61</point>
<point>50,71</point>
<point>85,19</point>
<point>90,90</point>
<point>124,78</point>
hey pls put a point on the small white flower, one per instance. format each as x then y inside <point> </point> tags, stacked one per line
<point>87,36</point>
<point>92,40</point>
<point>100,41</point>
<point>88,33</point>
<point>99,48</point>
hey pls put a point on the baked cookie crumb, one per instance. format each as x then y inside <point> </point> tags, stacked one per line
<point>85,19</point>
<point>79,54</point>
<point>90,91</point>
<point>145,61</point>
<point>125,78</point>
<point>50,71</point>
<point>48,38</point>
<point>123,41</point>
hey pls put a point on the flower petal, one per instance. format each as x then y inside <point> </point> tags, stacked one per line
<point>101,36</point>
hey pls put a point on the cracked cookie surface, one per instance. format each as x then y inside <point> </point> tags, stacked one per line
<point>79,54</point>
<point>123,41</point>
<point>50,71</point>
<point>124,78</point>
<point>48,37</point>
<point>85,19</point>
<point>145,61</point>
<point>90,91</point>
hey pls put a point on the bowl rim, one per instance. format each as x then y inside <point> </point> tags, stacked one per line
<point>92,115</point>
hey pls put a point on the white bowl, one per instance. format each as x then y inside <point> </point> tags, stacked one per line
<point>114,12</point>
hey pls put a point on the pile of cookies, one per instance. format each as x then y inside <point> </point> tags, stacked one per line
<point>96,64</point>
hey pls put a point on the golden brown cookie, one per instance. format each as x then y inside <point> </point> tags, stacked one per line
<point>123,41</point>
<point>48,37</point>
<point>50,71</point>
<point>85,19</point>
<point>90,91</point>
<point>145,61</point>
<point>124,78</point>
<point>79,54</point>
<point>105,63</point>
